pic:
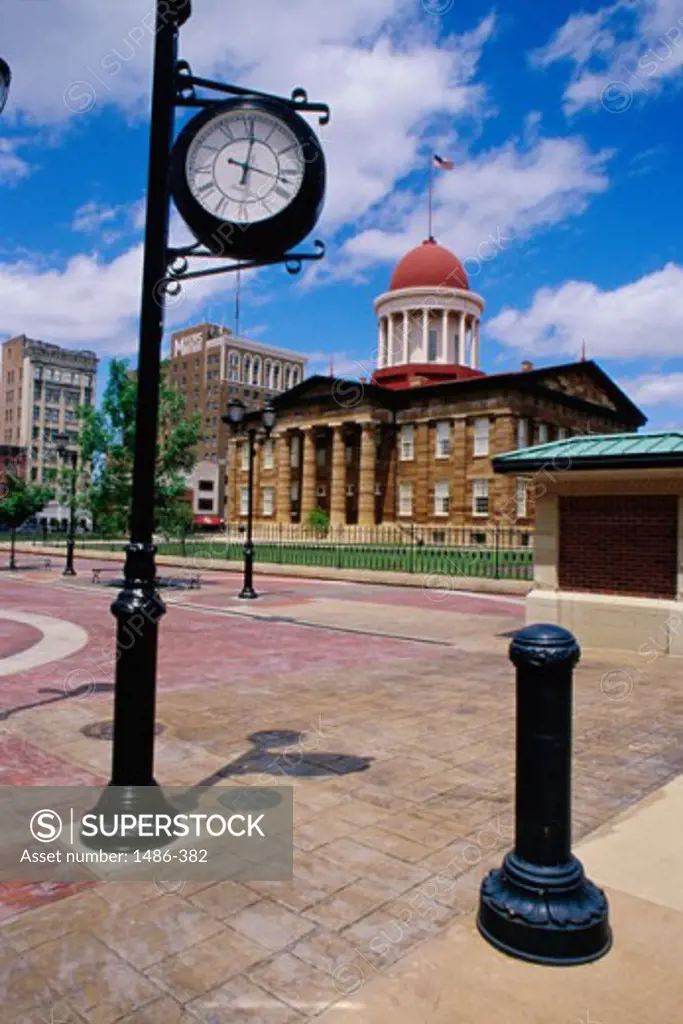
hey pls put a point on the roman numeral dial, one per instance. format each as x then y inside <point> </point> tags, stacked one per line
<point>245,167</point>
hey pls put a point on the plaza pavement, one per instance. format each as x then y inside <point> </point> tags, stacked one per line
<point>418,684</point>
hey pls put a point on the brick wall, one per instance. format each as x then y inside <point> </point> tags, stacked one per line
<point>619,544</point>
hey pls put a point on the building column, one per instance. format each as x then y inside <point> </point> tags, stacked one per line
<point>461,341</point>
<point>308,499</point>
<point>425,335</point>
<point>406,336</point>
<point>390,340</point>
<point>232,497</point>
<point>475,343</point>
<point>283,485</point>
<point>443,349</point>
<point>338,481</point>
<point>366,479</point>
<point>381,358</point>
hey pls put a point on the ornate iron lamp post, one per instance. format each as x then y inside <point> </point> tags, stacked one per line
<point>5,82</point>
<point>245,202</point>
<point>235,420</point>
<point>62,441</point>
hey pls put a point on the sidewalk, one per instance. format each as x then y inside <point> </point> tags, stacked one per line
<point>459,979</point>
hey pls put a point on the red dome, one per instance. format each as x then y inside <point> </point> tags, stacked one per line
<point>429,266</point>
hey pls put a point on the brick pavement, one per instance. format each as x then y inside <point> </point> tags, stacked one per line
<point>434,716</point>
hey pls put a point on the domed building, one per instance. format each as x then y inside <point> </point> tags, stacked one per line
<point>412,444</point>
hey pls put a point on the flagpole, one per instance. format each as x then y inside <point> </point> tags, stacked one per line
<point>431,175</point>
<point>237,304</point>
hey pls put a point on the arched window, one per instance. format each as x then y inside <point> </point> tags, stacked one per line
<point>295,376</point>
<point>256,371</point>
<point>276,376</point>
<point>246,376</point>
<point>288,377</point>
<point>267,373</point>
<point>234,366</point>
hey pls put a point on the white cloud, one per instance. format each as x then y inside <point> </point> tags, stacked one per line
<point>485,203</point>
<point>379,64</point>
<point>12,166</point>
<point>624,50</point>
<point>643,318</point>
<point>91,302</point>
<point>656,389</point>
<point>90,217</point>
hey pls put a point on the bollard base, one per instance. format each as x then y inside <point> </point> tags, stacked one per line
<point>546,915</point>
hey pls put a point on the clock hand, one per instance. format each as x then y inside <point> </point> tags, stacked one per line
<point>246,166</point>
<point>258,170</point>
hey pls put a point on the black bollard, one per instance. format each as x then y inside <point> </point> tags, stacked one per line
<point>539,905</point>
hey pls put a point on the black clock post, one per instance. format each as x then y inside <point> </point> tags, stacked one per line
<point>139,607</point>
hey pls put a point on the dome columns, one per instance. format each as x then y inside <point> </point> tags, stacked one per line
<point>427,325</point>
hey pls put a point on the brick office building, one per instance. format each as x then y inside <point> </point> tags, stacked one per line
<point>414,443</point>
<point>209,366</point>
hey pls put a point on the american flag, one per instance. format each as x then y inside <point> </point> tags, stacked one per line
<point>445,165</point>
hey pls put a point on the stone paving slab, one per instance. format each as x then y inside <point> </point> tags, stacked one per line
<point>387,857</point>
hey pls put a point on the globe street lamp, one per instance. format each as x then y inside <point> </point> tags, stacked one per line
<point>235,420</point>
<point>5,82</point>
<point>62,441</point>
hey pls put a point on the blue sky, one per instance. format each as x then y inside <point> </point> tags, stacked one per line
<point>563,123</point>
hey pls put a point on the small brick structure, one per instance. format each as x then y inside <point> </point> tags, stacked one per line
<point>609,538</point>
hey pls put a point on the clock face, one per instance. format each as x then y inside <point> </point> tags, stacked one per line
<point>245,166</point>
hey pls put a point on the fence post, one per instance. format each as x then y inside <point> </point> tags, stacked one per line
<point>412,547</point>
<point>496,552</point>
<point>539,906</point>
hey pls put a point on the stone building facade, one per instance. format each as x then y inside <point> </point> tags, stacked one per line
<point>413,445</point>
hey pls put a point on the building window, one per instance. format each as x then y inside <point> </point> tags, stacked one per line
<point>481,436</point>
<point>288,377</point>
<point>431,346</point>
<point>268,461</point>
<point>267,373</point>
<point>443,439</point>
<point>480,497</point>
<point>37,372</point>
<point>321,457</point>
<point>522,432</point>
<point>244,501</point>
<point>405,499</point>
<point>244,455</point>
<point>294,493</point>
<point>520,496</point>
<point>234,366</point>
<point>267,501</point>
<point>295,376</point>
<point>441,498</point>
<point>407,442</point>
<point>206,485</point>
<point>349,454</point>
<point>276,376</point>
<point>542,433</point>
<point>295,451</point>
<point>36,412</point>
<point>561,433</point>
<point>256,372</point>
<point>247,369</point>
<point>205,505</point>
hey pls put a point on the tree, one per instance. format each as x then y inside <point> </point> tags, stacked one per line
<point>20,500</point>
<point>108,444</point>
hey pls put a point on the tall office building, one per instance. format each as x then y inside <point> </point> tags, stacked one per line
<point>210,366</point>
<point>42,387</point>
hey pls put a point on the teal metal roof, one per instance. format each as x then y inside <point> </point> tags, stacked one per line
<point>598,451</point>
